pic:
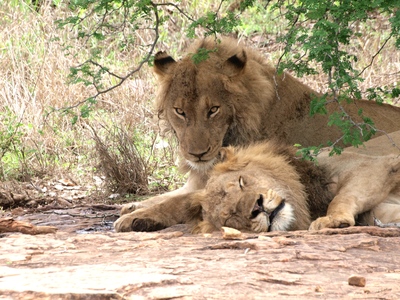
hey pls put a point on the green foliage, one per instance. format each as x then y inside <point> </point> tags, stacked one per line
<point>10,134</point>
<point>353,133</point>
<point>317,37</point>
<point>259,19</point>
<point>318,105</point>
<point>321,29</point>
<point>101,23</point>
<point>213,24</point>
<point>380,94</point>
<point>12,149</point>
<point>308,153</point>
<point>319,34</point>
<point>107,42</point>
<point>201,55</point>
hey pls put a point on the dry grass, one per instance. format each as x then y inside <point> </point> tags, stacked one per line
<point>33,80</point>
<point>121,134</point>
<point>121,163</point>
<point>44,143</point>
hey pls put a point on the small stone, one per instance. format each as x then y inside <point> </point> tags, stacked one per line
<point>231,234</point>
<point>357,280</point>
<point>319,289</point>
<point>114,196</point>
<point>59,187</point>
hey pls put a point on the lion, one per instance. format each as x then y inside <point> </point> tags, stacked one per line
<point>266,187</point>
<point>235,97</point>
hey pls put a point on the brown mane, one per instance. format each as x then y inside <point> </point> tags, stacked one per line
<point>274,156</point>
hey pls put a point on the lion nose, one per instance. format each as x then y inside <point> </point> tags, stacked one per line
<point>258,207</point>
<point>200,155</point>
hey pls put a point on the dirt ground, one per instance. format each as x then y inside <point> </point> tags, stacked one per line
<point>86,259</point>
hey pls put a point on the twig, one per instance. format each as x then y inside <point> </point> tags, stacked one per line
<point>376,54</point>
<point>122,79</point>
<point>10,225</point>
<point>177,7</point>
<point>96,216</point>
<point>378,223</point>
<point>279,61</point>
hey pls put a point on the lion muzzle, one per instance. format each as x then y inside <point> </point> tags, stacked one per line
<point>258,207</point>
<point>268,220</point>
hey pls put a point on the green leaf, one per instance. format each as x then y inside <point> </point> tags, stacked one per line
<point>318,106</point>
<point>308,153</point>
<point>201,55</point>
<point>99,36</point>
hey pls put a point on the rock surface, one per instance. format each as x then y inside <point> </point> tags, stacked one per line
<point>173,264</point>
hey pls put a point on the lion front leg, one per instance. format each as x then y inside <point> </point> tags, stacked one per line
<point>176,210</point>
<point>341,213</point>
<point>194,182</point>
<point>134,206</point>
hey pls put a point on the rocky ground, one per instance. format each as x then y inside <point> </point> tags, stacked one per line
<point>173,264</point>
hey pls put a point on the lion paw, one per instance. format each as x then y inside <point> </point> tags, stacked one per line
<point>131,222</point>
<point>131,207</point>
<point>124,223</point>
<point>274,197</point>
<point>332,222</point>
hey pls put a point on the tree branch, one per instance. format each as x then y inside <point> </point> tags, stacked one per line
<point>122,79</point>
<point>10,225</point>
<point>375,55</point>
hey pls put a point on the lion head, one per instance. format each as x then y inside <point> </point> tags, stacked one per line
<point>212,103</point>
<point>256,190</point>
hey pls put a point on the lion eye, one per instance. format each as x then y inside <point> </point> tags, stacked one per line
<point>179,111</point>
<point>241,182</point>
<point>213,111</point>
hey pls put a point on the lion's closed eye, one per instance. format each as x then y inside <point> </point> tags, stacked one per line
<point>241,182</point>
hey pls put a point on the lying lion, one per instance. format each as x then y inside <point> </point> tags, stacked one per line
<point>236,98</point>
<point>265,187</point>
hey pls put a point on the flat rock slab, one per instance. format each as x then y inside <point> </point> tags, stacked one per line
<point>82,219</point>
<point>173,264</point>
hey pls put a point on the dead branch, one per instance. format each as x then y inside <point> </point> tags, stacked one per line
<point>378,223</point>
<point>11,225</point>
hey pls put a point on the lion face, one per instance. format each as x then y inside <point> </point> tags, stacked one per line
<point>200,123</point>
<point>246,201</point>
<point>213,103</point>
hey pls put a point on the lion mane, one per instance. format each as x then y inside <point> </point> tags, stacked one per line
<point>265,187</point>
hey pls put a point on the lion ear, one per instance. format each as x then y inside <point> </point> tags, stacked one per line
<point>235,64</point>
<point>226,153</point>
<point>163,63</point>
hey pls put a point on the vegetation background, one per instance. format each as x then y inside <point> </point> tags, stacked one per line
<point>76,86</point>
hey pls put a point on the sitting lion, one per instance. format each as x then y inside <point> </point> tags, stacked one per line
<point>236,98</point>
<point>265,187</point>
